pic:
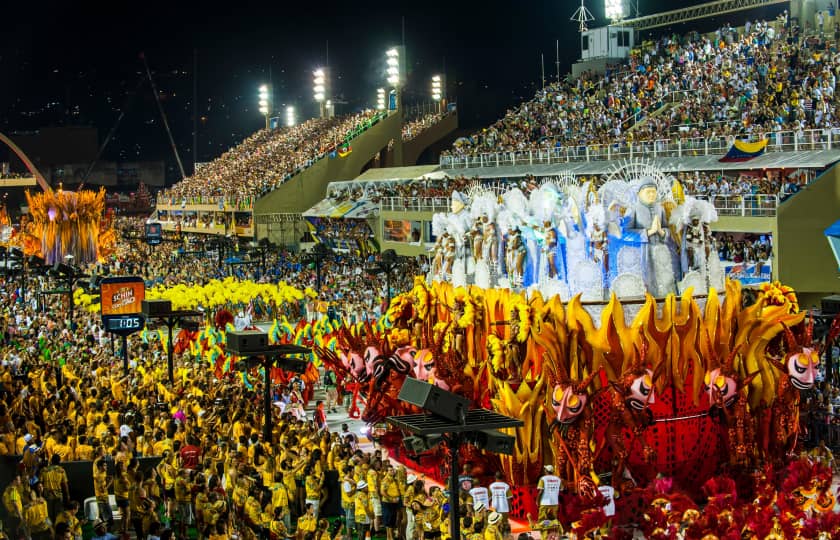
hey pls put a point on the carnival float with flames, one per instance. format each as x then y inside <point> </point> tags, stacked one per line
<point>600,318</point>
<point>62,223</point>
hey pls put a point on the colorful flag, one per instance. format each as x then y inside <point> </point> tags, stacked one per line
<point>344,150</point>
<point>744,151</point>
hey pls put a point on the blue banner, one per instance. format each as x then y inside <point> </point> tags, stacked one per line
<point>748,273</point>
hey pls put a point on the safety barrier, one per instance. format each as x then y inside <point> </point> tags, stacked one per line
<point>758,205</point>
<point>743,205</point>
<point>414,204</point>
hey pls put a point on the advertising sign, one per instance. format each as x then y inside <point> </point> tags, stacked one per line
<point>154,233</point>
<point>122,295</point>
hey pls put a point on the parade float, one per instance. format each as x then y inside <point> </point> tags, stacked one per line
<point>62,223</point>
<point>599,317</point>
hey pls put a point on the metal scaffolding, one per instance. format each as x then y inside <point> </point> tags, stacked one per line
<point>694,13</point>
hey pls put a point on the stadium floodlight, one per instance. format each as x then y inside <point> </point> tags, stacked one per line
<point>290,116</point>
<point>437,88</point>
<point>319,87</point>
<point>380,99</point>
<point>265,103</point>
<point>392,67</point>
<point>614,9</point>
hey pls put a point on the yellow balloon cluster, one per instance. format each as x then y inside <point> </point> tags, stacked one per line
<point>215,294</point>
<point>86,301</point>
<point>223,293</point>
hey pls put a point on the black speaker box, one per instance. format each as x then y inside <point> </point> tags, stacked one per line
<point>247,341</point>
<point>831,304</point>
<point>495,441</point>
<point>434,399</point>
<point>156,308</point>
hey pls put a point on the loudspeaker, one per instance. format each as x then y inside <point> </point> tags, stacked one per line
<point>434,400</point>
<point>417,444</point>
<point>156,308</point>
<point>494,441</point>
<point>247,341</point>
<point>831,304</point>
<point>294,365</point>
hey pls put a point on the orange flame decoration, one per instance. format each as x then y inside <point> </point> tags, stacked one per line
<point>68,223</point>
<point>677,338</point>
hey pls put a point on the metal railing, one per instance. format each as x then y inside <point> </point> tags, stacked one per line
<point>778,141</point>
<point>758,205</point>
<point>743,205</point>
<point>414,204</point>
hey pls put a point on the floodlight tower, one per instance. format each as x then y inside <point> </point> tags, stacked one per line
<point>265,103</point>
<point>380,99</point>
<point>395,72</point>
<point>614,10</point>
<point>437,90</point>
<point>290,116</point>
<point>320,89</point>
<point>582,15</point>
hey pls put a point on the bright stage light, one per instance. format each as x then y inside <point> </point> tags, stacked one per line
<point>614,9</point>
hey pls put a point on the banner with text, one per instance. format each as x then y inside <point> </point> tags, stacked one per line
<point>122,295</point>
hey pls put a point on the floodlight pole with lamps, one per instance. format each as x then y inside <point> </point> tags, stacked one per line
<point>319,90</point>
<point>265,103</point>
<point>437,91</point>
<point>394,69</point>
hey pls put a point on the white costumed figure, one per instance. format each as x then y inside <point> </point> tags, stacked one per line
<point>647,219</point>
<point>483,212</point>
<point>457,225</point>
<point>698,257</point>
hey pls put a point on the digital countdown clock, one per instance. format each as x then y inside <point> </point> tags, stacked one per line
<point>122,298</point>
<point>128,324</point>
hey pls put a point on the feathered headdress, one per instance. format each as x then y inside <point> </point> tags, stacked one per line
<point>693,208</point>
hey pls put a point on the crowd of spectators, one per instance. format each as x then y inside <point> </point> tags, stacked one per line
<point>217,474</point>
<point>343,233</point>
<point>762,78</point>
<point>413,128</point>
<point>743,248</point>
<point>414,189</point>
<point>9,175</point>
<point>265,160</point>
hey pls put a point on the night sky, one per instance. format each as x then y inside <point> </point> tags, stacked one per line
<point>63,64</point>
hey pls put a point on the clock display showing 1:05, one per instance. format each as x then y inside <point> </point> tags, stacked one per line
<point>124,323</point>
